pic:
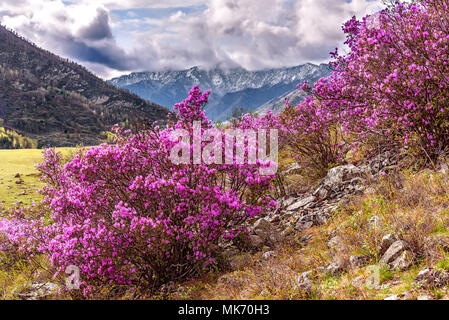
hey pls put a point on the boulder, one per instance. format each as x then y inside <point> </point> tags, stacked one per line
<point>301,203</point>
<point>262,228</point>
<point>386,243</point>
<point>38,291</point>
<point>338,176</point>
<point>437,242</point>
<point>403,262</point>
<point>393,252</point>
<point>431,278</point>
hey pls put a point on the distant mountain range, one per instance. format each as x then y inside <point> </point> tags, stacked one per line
<point>231,89</point>
<point>59,103</point>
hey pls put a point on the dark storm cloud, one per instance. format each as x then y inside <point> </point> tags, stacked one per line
<point>99,28</point>
<point>112,35</point>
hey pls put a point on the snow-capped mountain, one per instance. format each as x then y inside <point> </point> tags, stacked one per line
<point>231,89</point>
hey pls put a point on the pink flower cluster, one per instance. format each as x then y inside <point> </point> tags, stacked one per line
<point>126,215</point>
<point>395,79</point>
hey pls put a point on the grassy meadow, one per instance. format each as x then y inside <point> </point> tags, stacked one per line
<point>18,165</point>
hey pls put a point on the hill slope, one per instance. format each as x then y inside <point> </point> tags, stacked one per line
<point>231,89</point>
<point>57,102</point>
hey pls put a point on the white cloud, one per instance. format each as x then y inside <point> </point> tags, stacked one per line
<point>252,34</point>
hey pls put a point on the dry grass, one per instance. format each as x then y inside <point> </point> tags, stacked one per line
<point>411,206</point>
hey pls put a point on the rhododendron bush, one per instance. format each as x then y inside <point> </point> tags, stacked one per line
<point>126,215</point>
<point>394,80</point>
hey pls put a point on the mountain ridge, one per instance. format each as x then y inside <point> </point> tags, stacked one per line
<point>58,102</point>
<point>231,88</point>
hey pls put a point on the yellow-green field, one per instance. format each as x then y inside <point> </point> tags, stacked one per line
<point>21,162</point>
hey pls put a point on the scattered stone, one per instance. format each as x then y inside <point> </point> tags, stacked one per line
<point>358,282</point>
<point>431,278</point>
<point>38,291</point>
<point>288,202</point>
<point>393,297</point>
<point>403,262</point>
<point>262,228</point>
<point>268,255</point>
<point>301,203</point>
<point>359,261</point>
<point>393,252</point>
<point>302,225</point>
<point>386,243</point>
<point>437,242</point>
<point>20,181</point>
<point>17,175</point>
<point>338,176</point>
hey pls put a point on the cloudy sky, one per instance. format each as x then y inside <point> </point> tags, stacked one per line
<point>114,37</point>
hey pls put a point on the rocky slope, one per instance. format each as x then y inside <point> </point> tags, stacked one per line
<point>57,102</point>
<point>231,89</point>
<point>366,231</point>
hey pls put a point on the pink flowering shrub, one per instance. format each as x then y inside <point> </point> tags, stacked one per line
<point>311,135</point>
<point>127,216</point>
<point>394,80</point>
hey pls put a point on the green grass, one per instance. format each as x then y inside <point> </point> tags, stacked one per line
<point>21,161</point>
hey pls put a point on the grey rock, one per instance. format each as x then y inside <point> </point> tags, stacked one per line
<point>339,175</point>
<point>268,255</point>
<point>335,268</point>
<point>393,252</point>
<point>321,193</point>
<point>262,228</point>
<point>301,203</point>
<point>303,225</point>
<point>359,261</point>
<point>431,278</point>
<point>38,291</point>
<point>437,242</point>
<point>287,202</point>
<point>386,242</point>
<point>403,262</point>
